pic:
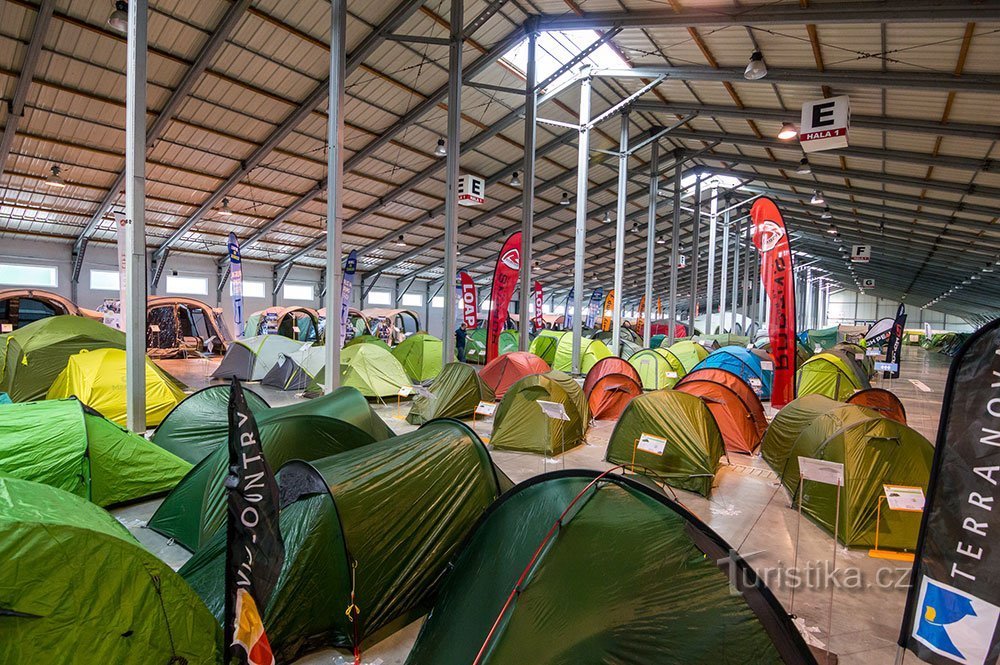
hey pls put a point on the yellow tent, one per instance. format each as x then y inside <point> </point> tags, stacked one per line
<point>97,378</point>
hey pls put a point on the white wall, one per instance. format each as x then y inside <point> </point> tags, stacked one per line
<point>849,307</point>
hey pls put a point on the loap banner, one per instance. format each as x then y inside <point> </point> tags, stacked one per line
<point>607,310</point>
<point>771,239</point>
<point>953,604</point>
<point>568,311</point>
<point>467,291</point>
<point>894,347</point>
<point>596,298</point>
<point>346,287</point>
<point>504,284</point>
<point>539,301</point>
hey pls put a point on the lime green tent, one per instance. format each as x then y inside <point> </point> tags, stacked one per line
<point>694,444</point>
<point>828,374</point>
<point>371,369</point>
<point>76,587</point>
<point>457,391</point>
<point>825,338</point>
<point>591,350</point>
<point>475,345</point>
<point>33,356</point>
<point>658,368</point>
<point>381,521</point>
<point>544,345</point>
<point>421,356</point>
<point>874,450</point>
<point>66,445</point>
<point>620,575</point>
<point>520,424</point>
<point>689,353</point>
<point>367,339</point>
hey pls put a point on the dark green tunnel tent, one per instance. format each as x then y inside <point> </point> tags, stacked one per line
<point>398,510</point>
<point>824,338</point>
<point>457,391</point>
<point>694,445</point>
<point>64,444</point>
<point>874,450</point>
<point>630,577</point>
<point>520,424</point>
<point>200,424</point>
<point>76,587</point>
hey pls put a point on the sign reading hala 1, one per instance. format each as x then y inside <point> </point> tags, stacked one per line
<point>471,190</point>
<point>861,253</point>
<point>825,123</point>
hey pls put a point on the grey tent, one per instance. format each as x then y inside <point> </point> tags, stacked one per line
<point>295,370</point>
<point>251,358</point>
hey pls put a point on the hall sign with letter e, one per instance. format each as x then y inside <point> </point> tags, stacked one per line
<point>861,253</point>
<point>825,123</point>
<point>471,190</point>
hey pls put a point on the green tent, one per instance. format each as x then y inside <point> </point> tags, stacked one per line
<point>421,356</point>
<point>251,358</point>
<point>382,521</point>
<point>856,354</point>
<point>367,339</point>
<point>874,450</point>
<point>544,345</point>
<point>721,340</point>
<point>200,424</point>
<point>64,444</point>
<point>457,391</point>
<point>828,374</point>
<point>591,350</point>
<point>76,587</point>
<point>656,341</point>
<point>689,353</point>
<point>825,338</point>
<point>475,345</point>
<point>658,368</point>
<point>371,369</point>
<point>33,356</point>
<point>629,576</point>
<point>520,424</point>
<point>694,443</point>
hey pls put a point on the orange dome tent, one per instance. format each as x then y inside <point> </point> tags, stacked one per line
<point>881,400</point>
<point>736,408</point>
<point>610,394</point>
<point>606,366</point>
<point>504,371</point>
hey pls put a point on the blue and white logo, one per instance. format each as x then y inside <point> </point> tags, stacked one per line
<point>954,624</point>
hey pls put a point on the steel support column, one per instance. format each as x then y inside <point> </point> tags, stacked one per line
<point>745,301</point>
<point>736,273</point>
<point>580,248</point>
<point>675,240</point>
<point>809,299</point>
<point>528,191</point>
<point>654,186</point>
<point>616,313</point>
<point>334,297</point>
<point>454,143</point>
<point>724,274</point>
<point>695,257</point>
<point>710,277</point>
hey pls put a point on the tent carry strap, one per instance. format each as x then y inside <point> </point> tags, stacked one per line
<point>353,612</point>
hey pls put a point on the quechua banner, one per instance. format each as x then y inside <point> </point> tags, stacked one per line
<point>608,310</point>
<point>953,604</point>
<point>468,300</point>
<point>894,347</point>
<point>771,239</point>
<point>539,301</point>
<point>504,284</point>
<point>254,549</point>
<point>346,286</point>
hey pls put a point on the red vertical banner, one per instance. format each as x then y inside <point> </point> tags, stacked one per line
<point>539,300</point>
<point>504,283</point>
<point>470,317</point>
<point>771,239</point>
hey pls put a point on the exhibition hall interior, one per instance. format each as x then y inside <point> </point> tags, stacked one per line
<point>499,332</point>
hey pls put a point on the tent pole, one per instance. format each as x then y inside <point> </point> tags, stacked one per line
<point>724,275</point>
<point>695,252</point>
<point>135,210</point>
<point>616,313</point>
<point>451,168</point>
<point>582,181</point>
<point>675,240</point>
<point>528,193</point>
<point>654,186</point>
<point>334,296</point>
<point>710,276</point>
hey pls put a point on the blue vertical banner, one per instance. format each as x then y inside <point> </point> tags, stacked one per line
<point>596,300</point>
<point>346,287</point>
<point>568,311</point>
<point>236,282</point>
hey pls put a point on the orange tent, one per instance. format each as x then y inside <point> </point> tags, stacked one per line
<point>735,406</point>
<point>504,371</point>
<point>606,366</point>
<point>610,394</point>
<point>881,400</point>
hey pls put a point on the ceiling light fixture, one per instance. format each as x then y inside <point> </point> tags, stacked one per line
<point>515,181</point>
<point>660,240</point>
<point>788,131</point>
<point>804,168</point>
<point>756,69</point>
<point>817,199</point>
<point>54,179</point>
<point>119,17</point>
<point>564,201</point>
<point>225,210</point>
<point>400,241</point>
<point>826,214</point>
<point>441,150</point>
<point>607,216</point>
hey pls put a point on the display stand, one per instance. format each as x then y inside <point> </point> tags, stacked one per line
<point>485,409</point>
<point>647,443</point>
<point>903,498</point>
<point>405,391</point>
<point>556,411</point>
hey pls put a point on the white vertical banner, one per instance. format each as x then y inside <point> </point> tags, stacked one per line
<point>236,282</point>
<point>120,225</point>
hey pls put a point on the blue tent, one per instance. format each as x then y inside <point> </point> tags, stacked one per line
<point>742,363</point>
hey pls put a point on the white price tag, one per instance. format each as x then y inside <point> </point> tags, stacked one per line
<point>652,444</point>
<point>6,327</point>
<point>859,356</point>
<point>154,328</point>
<point>486,408</point>
<point>405,391</point>
<point>295,329</point>
<point>903,497</point>
<point>671,375</point>
<point>767,365</point>
<point>874,351</point>
<point>554,410</point>
<point>821,471</point>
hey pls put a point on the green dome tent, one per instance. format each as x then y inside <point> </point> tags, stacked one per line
<point>64,444</point>
<point>694,443</point>
<point>591,350</point>
<point>874,451</point>
<point>76,587</point>
<point>382,521</point>
<point>296,370</point>
<point>864,365</point>
<point>629,577</point>
<point>251,358</point>
<point>421,356</point>
<point>519,423</point>
<point>33,356</point>
<point>828,374</point>
<point>544,345</point>
<point>457,392</point>
<point>371,369</point>
<point>475,345</point>
<point>689,353</point>
<point>200,424</point>
<point>658,368</point>
<point>367,339</point>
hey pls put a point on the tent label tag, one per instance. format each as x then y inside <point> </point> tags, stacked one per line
<point>671,375</point>
<point>6,327</point>
<point>295,329</point>
<point>767,365</point>
<point>652,444</point>
<point>423,392</point>
<point>875,351</point>
<point>405,391</point>
<point>904,497</point>
<point>886,367</point>
<point>821,471</point>
<point>757,385</point>
<point>554,410</point>
<point>818,349</point>
<point>486,408</point>
<point>859,356</point>
<point>154,328</point>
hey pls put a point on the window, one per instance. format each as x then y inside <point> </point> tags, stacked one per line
<point>553,49</point>
<point>413,300</point>
<point>252,288</point>
<point>26,275</point>
<point>104,280</point>
<point>437,302</point>
<point>298,292</point>
<point>379,298</point>
<point>188,286</point>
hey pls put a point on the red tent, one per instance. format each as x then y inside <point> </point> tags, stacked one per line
<point>733,403</point>
<point>662,327</point>
<point>610,394</point>
<point>504,371</point>
<point>880,400</point>
<point>609,365</point>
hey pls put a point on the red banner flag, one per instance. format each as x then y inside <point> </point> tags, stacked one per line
<point>539,299</point>
<point>771,239</point>
<point>469,314</point>
<point>504,284</point>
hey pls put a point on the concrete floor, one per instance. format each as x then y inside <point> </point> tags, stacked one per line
<point>748,508</point>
